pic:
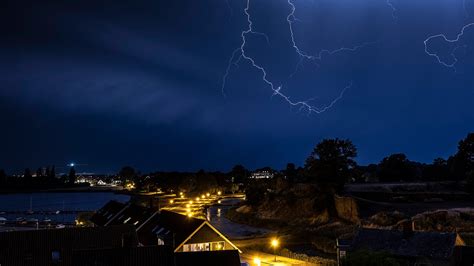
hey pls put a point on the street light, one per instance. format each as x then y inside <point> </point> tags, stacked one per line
<point>257,261</point>
<point>208,194</point>
<point>219,193</point>
<point>275,243</point>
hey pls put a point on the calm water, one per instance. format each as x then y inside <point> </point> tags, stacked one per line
<point>52,202</point>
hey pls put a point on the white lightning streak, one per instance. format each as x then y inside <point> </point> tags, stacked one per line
<point>303,105</point>
<point>435,55</point>
<point>291,18</point>
<point>394,9</point>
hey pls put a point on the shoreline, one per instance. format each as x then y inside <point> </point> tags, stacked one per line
<point>116,190</point>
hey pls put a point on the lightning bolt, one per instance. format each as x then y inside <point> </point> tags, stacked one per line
<point>452,41</point>
<point>394,9</point>
<point>291,18</point>
<point>240,53</point>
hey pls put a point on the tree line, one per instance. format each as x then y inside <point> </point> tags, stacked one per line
<point>331,164</point>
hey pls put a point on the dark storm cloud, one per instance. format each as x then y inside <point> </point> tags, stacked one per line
<point>138,82</point>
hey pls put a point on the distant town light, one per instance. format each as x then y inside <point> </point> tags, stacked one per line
<point>208,194</point>
<point>187,205</point>
<point>190,202</point>
<point>203,196</point>
<point>219,202</point>
<point>190,215</point>
<point>171,201</point>
<point>182,196</point>
<point>197,198</point>
<point>219,193</point>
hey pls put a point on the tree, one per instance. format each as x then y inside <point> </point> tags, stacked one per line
<point>127,173</point>
<point>3,177</point>
<point>438,170</point>
<point>239,174</point>
<point>470,182</point>
<point>290,172</point>
<point>52,173</point>
<point>72,176</point>
<point>463,161</point>
<point>331,162</point>
<point>27,176</point>
<point>396,167</point>
<point>39,172</point>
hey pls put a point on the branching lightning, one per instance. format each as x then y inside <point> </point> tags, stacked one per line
<point>452,41</point>
<point>240,53</point>
<point>394,9</point>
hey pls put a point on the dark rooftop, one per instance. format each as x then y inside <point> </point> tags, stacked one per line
<point>182,226</point>
<point>399,243</point>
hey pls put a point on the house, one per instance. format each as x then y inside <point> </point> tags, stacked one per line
<point>410,246</point>
<point>262,174</point>
<point>56,246</point>
<point>92,246</point>
<point>182,233</point>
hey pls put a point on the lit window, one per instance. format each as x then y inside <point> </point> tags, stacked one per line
<point>55,257</point>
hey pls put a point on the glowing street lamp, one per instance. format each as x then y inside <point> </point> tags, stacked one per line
<point>275,243</point>
<point>208,194</point>
<point>219,193</point>
<point>171,201</point>
<point>257,261</point>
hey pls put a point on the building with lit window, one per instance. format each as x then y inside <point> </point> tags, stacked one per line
<point>157,228</point>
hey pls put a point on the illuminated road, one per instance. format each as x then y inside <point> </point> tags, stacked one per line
<point>269,259</point>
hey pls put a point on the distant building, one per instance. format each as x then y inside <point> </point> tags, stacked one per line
<point>262,174</point>
<point>411,247</point>
<point>182,233</point>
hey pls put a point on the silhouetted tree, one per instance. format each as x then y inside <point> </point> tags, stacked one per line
<point>127,173</point>
<point>52,173</point>
<point>72,176</point>
<point>239,173</point>
<point>470,182</point>
<point>438,170</point>
<point>27,176</point>
<point>396,167</point>
<point>331,162</point>
<point>3,177</point>
<point>290,172</point>
<point>39,172</point>
<point>463,161</point>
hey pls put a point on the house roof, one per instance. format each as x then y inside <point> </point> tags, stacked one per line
<point>165,223</point>
<point>24,247</point>
<point>107,213</point>
<point>434,245</point>
<point>132,214</point>
<point>157,255</point>
<point>143,256</point>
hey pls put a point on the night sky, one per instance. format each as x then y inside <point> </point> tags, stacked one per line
<point>113,83</point>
